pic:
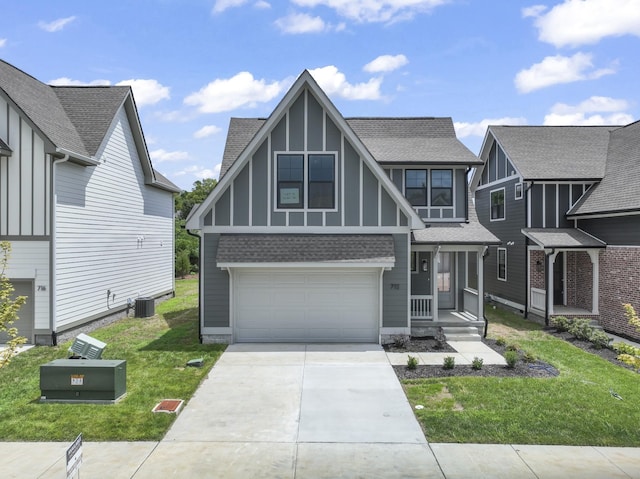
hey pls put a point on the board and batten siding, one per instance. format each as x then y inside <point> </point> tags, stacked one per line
<point>395,290</point>
<point>114,234</point>
<point>550,203</point>
<point>29,260</point>
<point>361,200</point>
<point>215,293</point>
<point>25,178</point>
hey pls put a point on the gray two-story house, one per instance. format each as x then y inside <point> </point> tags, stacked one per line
<point>564,202</point>
<point>327,229</point>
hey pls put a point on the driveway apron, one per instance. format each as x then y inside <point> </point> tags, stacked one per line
<point>296,410</point>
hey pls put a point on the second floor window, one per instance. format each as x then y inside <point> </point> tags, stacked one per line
<point>290,181</point>
<point>441,188</point>
<point>497,204</point>
<point>416,187</point>
<point>306,181</point>
<point>321,181</point>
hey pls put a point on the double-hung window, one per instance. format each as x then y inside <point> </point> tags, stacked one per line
<point>416,187</point>
<point>497,204</point>
<point>306,180</point>
<point>502,264</point>
<point>441,188</point>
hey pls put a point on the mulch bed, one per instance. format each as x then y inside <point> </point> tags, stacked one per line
<point>536,369</point>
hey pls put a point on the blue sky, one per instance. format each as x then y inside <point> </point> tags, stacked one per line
<point>193,64</point>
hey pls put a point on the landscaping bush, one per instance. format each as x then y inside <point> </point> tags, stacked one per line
<point>511,357</point>
<point>513,347</point>
<point>400,341</point>
<point>412,362</point>
<point>561,323</point>
<point>529,357</point>
<point>581,328</point>
<point>477,363</point>
<point>449,362</point>
<point>600,339</point>
<point>500,341</point>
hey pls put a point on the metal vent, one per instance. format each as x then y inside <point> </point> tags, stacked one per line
<point>145,307</point>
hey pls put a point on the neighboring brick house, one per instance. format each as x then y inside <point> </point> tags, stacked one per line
<point>329,229</point>
<point>89,220</point>
<point>565,201</point>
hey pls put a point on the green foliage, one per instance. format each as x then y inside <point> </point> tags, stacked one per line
<point>633,361</point>
<point>9,307</point>
<point>400,341</point>
<point>624,348</point>
<point>561,323</point>
<point>513,347</point>
<point>580,328</point>
<point>628,354</point>
<point>183,265</point>
<point>449,362</point>
<point>412,362</point>
<point>529,357</point>
<point>600,339</point>
<point>501,341</point>
<point>477,363</point>
<point>511,357</point>
<point>632,316</point>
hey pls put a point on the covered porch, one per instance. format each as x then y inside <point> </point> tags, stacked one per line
<point>563,272</point>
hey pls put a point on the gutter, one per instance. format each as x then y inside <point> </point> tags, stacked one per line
<point>52,251</point>
<point>200,270</point>
<point>486,321</point>
<point>84,160</point>
<point>466,196</point>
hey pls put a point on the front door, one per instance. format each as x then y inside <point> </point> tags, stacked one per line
<point>446,281</point>
<point>558,279</point>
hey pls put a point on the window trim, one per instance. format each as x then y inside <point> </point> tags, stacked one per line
<point>305,181</point>
<point>518,191</point>
<point>426,187</point>
<point>504,250</point>
<point>431,187</point>
<point>504,205</point>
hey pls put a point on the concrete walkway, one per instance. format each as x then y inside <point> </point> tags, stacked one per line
<point>309,411</point>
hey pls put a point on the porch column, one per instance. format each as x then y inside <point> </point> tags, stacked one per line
<point>595,280</point>
<point>551,259</point>
<point>480,270</point>
<point>435,265</point>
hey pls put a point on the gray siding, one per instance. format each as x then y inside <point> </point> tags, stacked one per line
<point>369,198</point>
<point>460,189</point>
<point>395,295</point>
<point>461,278</point>
<point>223,209</point>
<point>260,186</point>
<point>536,205</point>
<point>297,125</point>
<point>215,299</point>
<point>507,230</point>
<point>352,186</point>
<point>421,281</point>
<point>550,206</point>
<point>240,198</point>
<point>389,210</point>
<point>315,115</point>
<point>616,231</point>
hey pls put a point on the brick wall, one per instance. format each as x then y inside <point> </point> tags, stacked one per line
<point>619,284</point>
<point>537,270</point>
<point>583,288</point>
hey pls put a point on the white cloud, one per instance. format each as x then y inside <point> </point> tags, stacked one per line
<point>297,23</point>
<point>334,82</point>
<point>367,11</point>
<point>534,11</point>
<point>206,131</point>
<point>64,81</point>
<point>558,69</point>
<point>199,172</point>
<point>581,22</point>
<point>160,155</point>
<point>56,25</point>
<point>241,90</point>
<point>3,42</point>
<point>147,92</point>
<point>222,5</point>
<point>386,63</point>
<point>464,129</point>
<point>596,110</point>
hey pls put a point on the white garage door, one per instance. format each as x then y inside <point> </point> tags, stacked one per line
<point>306,306</point>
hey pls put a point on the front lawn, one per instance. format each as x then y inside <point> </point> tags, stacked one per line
<point>576,408</point>
<point>156,350</point>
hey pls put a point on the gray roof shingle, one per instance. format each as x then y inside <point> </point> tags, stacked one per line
<point>4,148</point>
<point>556,152</point>
<point>619,190</point>
<point>562,238</point>
<point>305,248</point>
<point>389,140</point>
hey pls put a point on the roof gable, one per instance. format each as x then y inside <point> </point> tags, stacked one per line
<point>264,127</point>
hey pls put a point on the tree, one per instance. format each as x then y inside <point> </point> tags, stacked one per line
<point>8,308</point>
<point>183,264</point>
<point>185,201</point>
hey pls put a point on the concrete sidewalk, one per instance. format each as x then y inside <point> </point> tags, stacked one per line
<point>309,411</point>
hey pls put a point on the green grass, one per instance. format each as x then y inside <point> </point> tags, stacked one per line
<point>156,350</point>
<point>575,408</point>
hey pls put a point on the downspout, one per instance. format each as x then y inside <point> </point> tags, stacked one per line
<point>526,252</point>
<point>547,271</point>
<point>486,321</point>
<point>52,273</point>
<point>200,270</point>
<point>466,196</point>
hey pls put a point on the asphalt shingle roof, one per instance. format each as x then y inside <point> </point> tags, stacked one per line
<point>619,190</point>
<point>556,152</point>
<point>305,248</point>
<point>562,238</point>
<point>389,140</point>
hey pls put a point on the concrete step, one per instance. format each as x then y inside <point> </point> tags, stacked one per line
<point>461,333</point>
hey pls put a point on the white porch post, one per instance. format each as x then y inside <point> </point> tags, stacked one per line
<point>480,270</point>
<point>550,261</point>
<point>595,281</point>
<point>434,283</point>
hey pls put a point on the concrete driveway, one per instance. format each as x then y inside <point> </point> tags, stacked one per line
<point>303,411</point>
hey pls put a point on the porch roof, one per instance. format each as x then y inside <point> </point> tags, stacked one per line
<point>4,149</point>
<point>306,248</point>
<point>565,238</point>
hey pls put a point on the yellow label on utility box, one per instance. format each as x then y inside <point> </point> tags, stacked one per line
<point>77,379</point>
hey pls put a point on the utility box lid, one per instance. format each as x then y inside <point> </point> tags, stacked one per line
<point>86,347</point>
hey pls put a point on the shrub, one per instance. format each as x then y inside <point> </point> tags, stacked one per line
<point>449,362</point>
<point>632,316</point>
<point>581,328</point>
<point>529,357</point>
<point>400,341</point>
<point>600,339</point>
<point>477,363</point>
<point>511,357</point>
<point>440,338</point>
<point>561,323</point>
<point>412,362</point>
<point>624,348</point>
<point>183,265</point>
<point>500,341</point>
<point>513,347</point>
<point>633,361</point>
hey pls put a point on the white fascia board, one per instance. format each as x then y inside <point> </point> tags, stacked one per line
<point>78,158</point>
<point>477,174</point>
<point>333,265</point>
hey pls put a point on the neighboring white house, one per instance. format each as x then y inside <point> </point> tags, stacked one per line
<point>89,220</point>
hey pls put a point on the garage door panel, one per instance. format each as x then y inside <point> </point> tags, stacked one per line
<point>309,306</point>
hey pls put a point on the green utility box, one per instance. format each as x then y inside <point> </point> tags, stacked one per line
<point>83,380</point>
